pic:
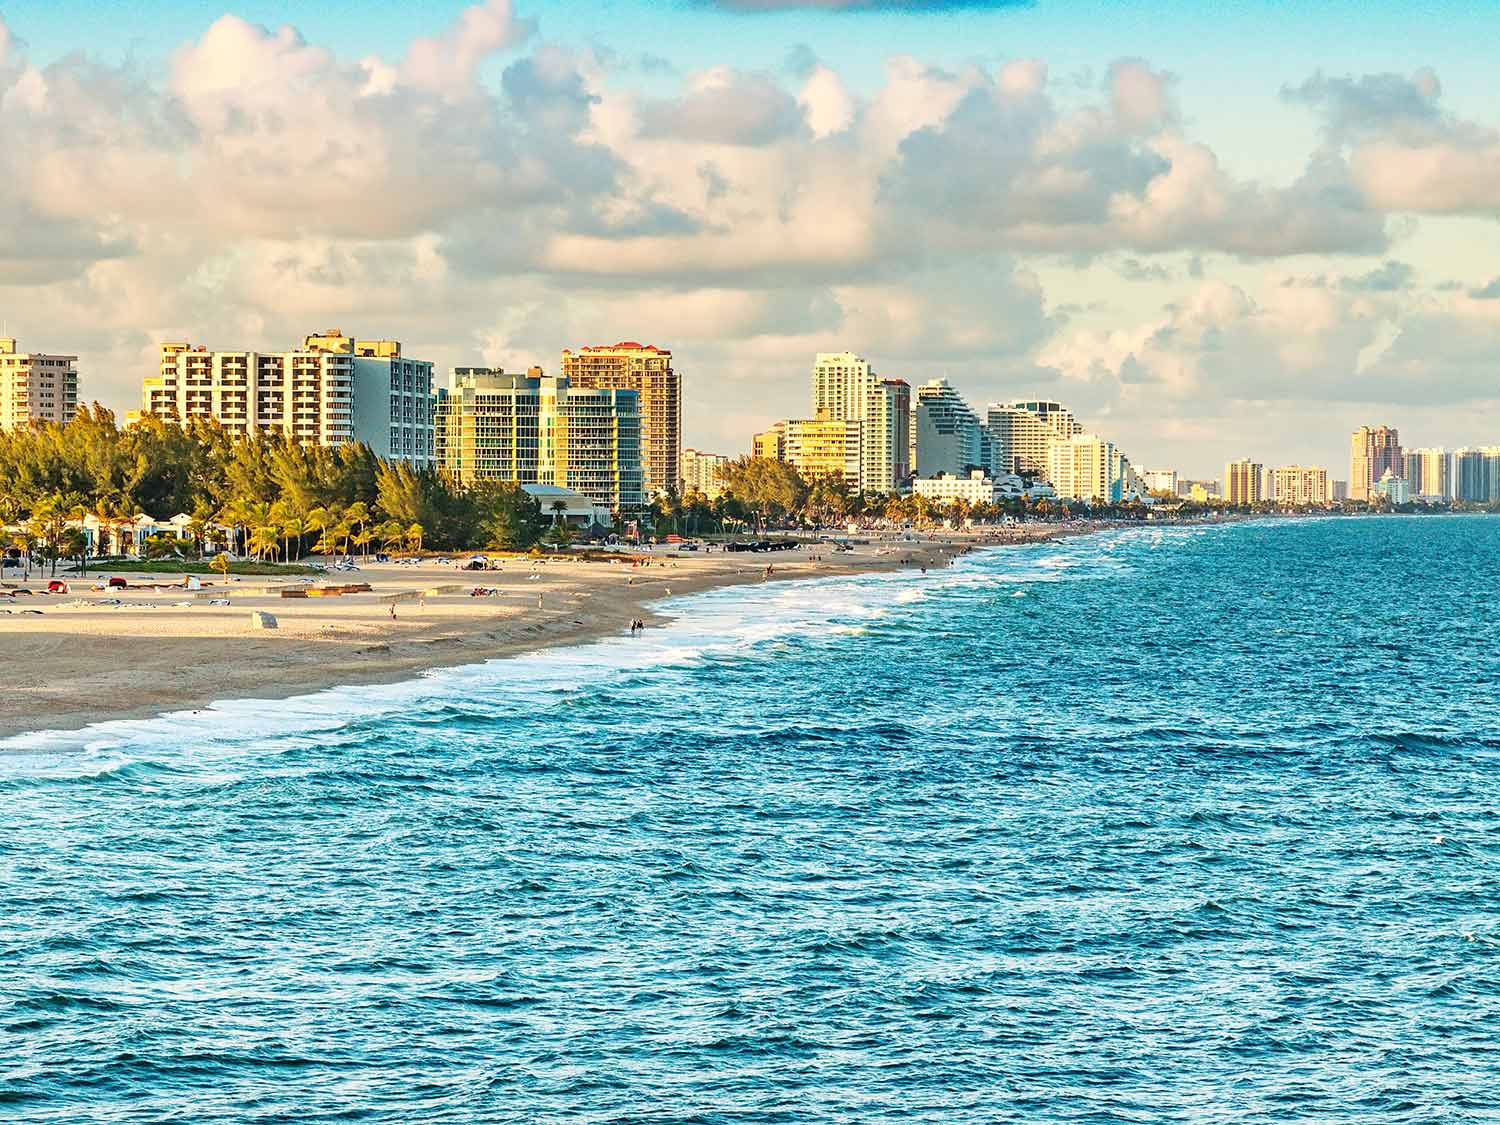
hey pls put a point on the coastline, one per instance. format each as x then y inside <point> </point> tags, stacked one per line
<point>84,661</point>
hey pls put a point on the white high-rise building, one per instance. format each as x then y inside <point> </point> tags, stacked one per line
<point>36,387</point>
<point>1429,472</point>
<point>845,388</point>
<point>1085,467</point>
<point>700,472</point>
<point>947,435</point>
<point>1297,485</point>
<point>1023,431</point>
<point>842,383</point>
<point>332,390</point>
<point>1160,480</point>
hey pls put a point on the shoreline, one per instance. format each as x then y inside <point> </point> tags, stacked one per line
<point>83,661</point>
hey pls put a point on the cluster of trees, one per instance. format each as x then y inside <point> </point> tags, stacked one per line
<point>760,492</point>
<point>280,498</point>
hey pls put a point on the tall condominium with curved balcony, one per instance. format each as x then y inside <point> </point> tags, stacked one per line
<point>334,389</point>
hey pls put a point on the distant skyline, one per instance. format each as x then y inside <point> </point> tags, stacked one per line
<point>1212,233</point>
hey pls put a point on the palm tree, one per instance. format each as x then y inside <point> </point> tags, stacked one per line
<point>263,540</point>
<point>362,539</point>
<point>392,534</point>
<point>357,515</point>
<point>317,520</point>
<point>237,515</point>
<point>292,530</point>
<point>413,537</point>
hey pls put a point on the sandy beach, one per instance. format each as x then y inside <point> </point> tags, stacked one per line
<point>89,655</point>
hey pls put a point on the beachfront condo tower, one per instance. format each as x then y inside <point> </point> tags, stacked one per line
<point>1299,484</point>
<point>333,389</point>
<point>1372,451</point>
<point>1022,433</point>
<point>36,387</point>
<point>947,435</point>
<point>823,448</point>
<point>1476,474</point>
<point>1086,467</point>
<point>647,370</point>
<point>491,424</point>
<point>1243,481</point>
<point>845,388</point>
<point>1430,473</point>
<point>700,472</point>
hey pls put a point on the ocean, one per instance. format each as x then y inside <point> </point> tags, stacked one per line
<point>1178,825</point>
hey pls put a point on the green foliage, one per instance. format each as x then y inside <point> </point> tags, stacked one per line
<point>507,518</point>
<point>770,489</point>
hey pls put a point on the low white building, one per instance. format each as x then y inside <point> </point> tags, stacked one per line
<point>945,488</point>
<point>577,509</point>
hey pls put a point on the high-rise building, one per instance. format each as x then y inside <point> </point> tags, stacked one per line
<point>770,444</point>
<point>332,390</point>
<point>1023,430</point>
<point>824,447</point>
<point>1476,474</point>
<point>885,438</point>
<point>1242,482</point>
<point>842,383</point>
<point>1429,472</point>
<point>700,472</point>
<point>1085,467</point>
<point>846,388</point>
<point>1298,485</point>
<point>947,435</point>
<point>1338,491</point>
<point>538,429</point>
<point>648,371</point>
<point>1371,453</point>
<point>36,387</point>
<point>1160,480</point>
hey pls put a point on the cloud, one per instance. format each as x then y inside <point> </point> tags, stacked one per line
<point>1298,343</point>
<point>723,106</point>
<point>1405,152</point>
<point>1490,292</point>
<point>1133,269</point>
<point>1009,167</point>
<point>449,60</point>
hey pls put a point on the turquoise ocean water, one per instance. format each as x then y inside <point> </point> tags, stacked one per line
<point>1156,826</point>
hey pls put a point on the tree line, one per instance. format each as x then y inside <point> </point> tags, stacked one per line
<point>279,498</point>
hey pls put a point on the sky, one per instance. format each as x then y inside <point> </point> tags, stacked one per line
<point>1214,233</point>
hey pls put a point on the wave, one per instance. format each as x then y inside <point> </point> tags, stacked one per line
<point>725,623</point>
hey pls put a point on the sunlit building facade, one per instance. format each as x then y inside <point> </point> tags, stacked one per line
<point>334,389</point>
<point>35,387</point>
<point>491,424</point>
<point>648,371</point>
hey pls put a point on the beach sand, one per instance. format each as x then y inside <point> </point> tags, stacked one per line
<point>82,660</point>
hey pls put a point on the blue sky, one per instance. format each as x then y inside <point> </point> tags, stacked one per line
<point>1148,227</point>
